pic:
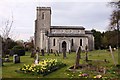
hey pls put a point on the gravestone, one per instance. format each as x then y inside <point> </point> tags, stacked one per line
<point>64,53</point>
<point>1,62</point>
<point>48,52</point>
<point>78,56</point>
<point>112,55</point>
<point>7,58</point>
<point>37,58</point>
<point>86,51</point>
<point>42,51</point>
<point>16,59</point>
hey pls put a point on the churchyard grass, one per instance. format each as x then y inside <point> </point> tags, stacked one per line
<point>9,67</point>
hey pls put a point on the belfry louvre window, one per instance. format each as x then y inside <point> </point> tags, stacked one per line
<point>43,15</point>
<point>53,42</point>
<point>80,42</point>
<point>72,43</point>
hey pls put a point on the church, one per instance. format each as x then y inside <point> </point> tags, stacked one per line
<point>56,38</point>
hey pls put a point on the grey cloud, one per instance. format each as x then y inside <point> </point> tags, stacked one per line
<point>91,15</point>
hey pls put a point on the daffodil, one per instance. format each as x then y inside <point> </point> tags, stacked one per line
<point>94,77</point>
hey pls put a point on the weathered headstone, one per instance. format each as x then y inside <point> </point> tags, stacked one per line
<point>104,70</point>
<point>42,51</point>
<point>64,53</point>
<point>7,58</point>
<point>48,52</point>
<point>86,51</point>
<point>1,62</point>
<point>37,58</point>
<point>16,58</point>
<point>112,55</point>
<point>78,56</point>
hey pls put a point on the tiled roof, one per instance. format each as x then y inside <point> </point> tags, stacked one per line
<point>67,27</point>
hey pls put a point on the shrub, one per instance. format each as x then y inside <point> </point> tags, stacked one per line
<point>19,50</point>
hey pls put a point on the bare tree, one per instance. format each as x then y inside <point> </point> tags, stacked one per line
<point>6,29</point>
<point>115,18</point>
<point>115,21</point>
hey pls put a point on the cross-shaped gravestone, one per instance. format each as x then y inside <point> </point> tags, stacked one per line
<point>78,52</point>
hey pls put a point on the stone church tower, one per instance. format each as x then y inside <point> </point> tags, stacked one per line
<point>42,26</point>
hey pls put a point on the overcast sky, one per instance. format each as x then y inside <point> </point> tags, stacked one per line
<point>91,15</point>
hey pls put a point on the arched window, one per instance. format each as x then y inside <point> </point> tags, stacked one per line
<point>72,43</point>
<point>80,42</point>
<point>53,42</point>
<point>43,15</point>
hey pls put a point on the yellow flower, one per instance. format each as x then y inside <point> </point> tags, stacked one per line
<point>80,75</point>
<point>94,77</point>
<point>98,76</point>
<point>37,70</point>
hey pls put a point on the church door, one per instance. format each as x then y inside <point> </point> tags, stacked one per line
<point>64,44</point>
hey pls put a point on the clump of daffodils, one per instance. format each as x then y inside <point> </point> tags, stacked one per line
<point>98,76</point>
<point>43,66</point>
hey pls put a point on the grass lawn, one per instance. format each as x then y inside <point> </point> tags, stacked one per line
<point>8,70</point>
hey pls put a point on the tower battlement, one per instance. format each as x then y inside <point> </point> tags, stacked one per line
<point>43,8</point>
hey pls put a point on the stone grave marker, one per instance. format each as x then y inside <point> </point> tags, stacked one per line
<point>48,52</point>
<point>64,53</point>
<point>86,51</point>
<point>1,62</point>
<point>42,51</point>
<point>37,58</point>
<point>7,58</point>
<point>16,59</point>
<point>112,55</point>
<point>78,56</point>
